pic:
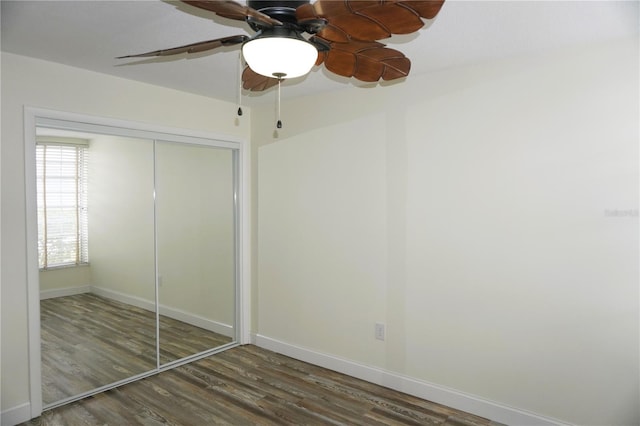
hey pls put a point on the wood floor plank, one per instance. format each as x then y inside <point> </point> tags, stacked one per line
<point>329,382</point>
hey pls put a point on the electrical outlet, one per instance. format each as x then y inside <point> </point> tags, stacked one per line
<point>379,331</point>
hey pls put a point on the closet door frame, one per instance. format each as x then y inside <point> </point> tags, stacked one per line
<point>34,117</point>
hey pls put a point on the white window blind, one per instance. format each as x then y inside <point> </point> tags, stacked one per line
<point>61,171</point>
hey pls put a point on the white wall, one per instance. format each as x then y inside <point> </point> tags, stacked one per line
<point>43,84</point>
<point>473,212</point>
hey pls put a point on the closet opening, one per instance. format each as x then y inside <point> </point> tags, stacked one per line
<point>135,251</point>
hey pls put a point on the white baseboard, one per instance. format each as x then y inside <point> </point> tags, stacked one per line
<point>136,301</point>
<point>432,392</point>
<point>177,314</point>
<point>62,292</point>
<point>16,415</point>
<point>198,321</point>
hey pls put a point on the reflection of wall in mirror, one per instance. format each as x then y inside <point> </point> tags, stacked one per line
<point>64,281</point>
<point>121,241</point>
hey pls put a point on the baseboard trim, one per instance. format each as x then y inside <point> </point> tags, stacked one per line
<point>177,314</point>
<point>450,397</point>
<point>16,415</point>
<point>62,292</point>
<point>198,321</point>
<point>136,301</point>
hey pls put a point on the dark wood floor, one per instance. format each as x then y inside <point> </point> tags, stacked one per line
<point>248,385</point>
<point>88,341</point>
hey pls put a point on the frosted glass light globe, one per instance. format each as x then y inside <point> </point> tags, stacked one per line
<point>282,57</point>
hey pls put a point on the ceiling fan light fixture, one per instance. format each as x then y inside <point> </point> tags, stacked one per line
<point>280,56</point>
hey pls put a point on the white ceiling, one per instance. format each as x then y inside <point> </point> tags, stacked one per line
<point>90,34</point>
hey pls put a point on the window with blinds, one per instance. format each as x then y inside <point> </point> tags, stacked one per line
<point>61,173</point>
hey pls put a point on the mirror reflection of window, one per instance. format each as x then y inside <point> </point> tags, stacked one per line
<point>61,173</point>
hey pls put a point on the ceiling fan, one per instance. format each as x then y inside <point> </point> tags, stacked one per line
<point>342,36</point>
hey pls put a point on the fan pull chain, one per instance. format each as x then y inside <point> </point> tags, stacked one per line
<point>240,84</point>
<point>279,122</point>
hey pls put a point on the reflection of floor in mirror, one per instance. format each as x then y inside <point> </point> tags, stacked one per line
<point>89,341</point>
<point>179,339</point>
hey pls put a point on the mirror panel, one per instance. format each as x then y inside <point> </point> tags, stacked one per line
<point>195,212</point>
<point>98,321</point>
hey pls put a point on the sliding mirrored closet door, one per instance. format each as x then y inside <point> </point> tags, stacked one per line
<point>97,277</point>
<point>154,283</point>
<point>195,210</point>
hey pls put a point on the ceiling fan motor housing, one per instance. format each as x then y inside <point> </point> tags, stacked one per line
<point>283,10</point>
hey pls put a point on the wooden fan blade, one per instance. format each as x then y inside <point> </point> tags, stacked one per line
<point>232,10</point>
<point>366,61</point>
<point>369,20</point>
<point>200,46</point>
<point>357,27</point>
<point>321,52</point>
<point>427,9</point>
<point>394,17</point>
<point>255,82</point>
<point>306,12</point>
